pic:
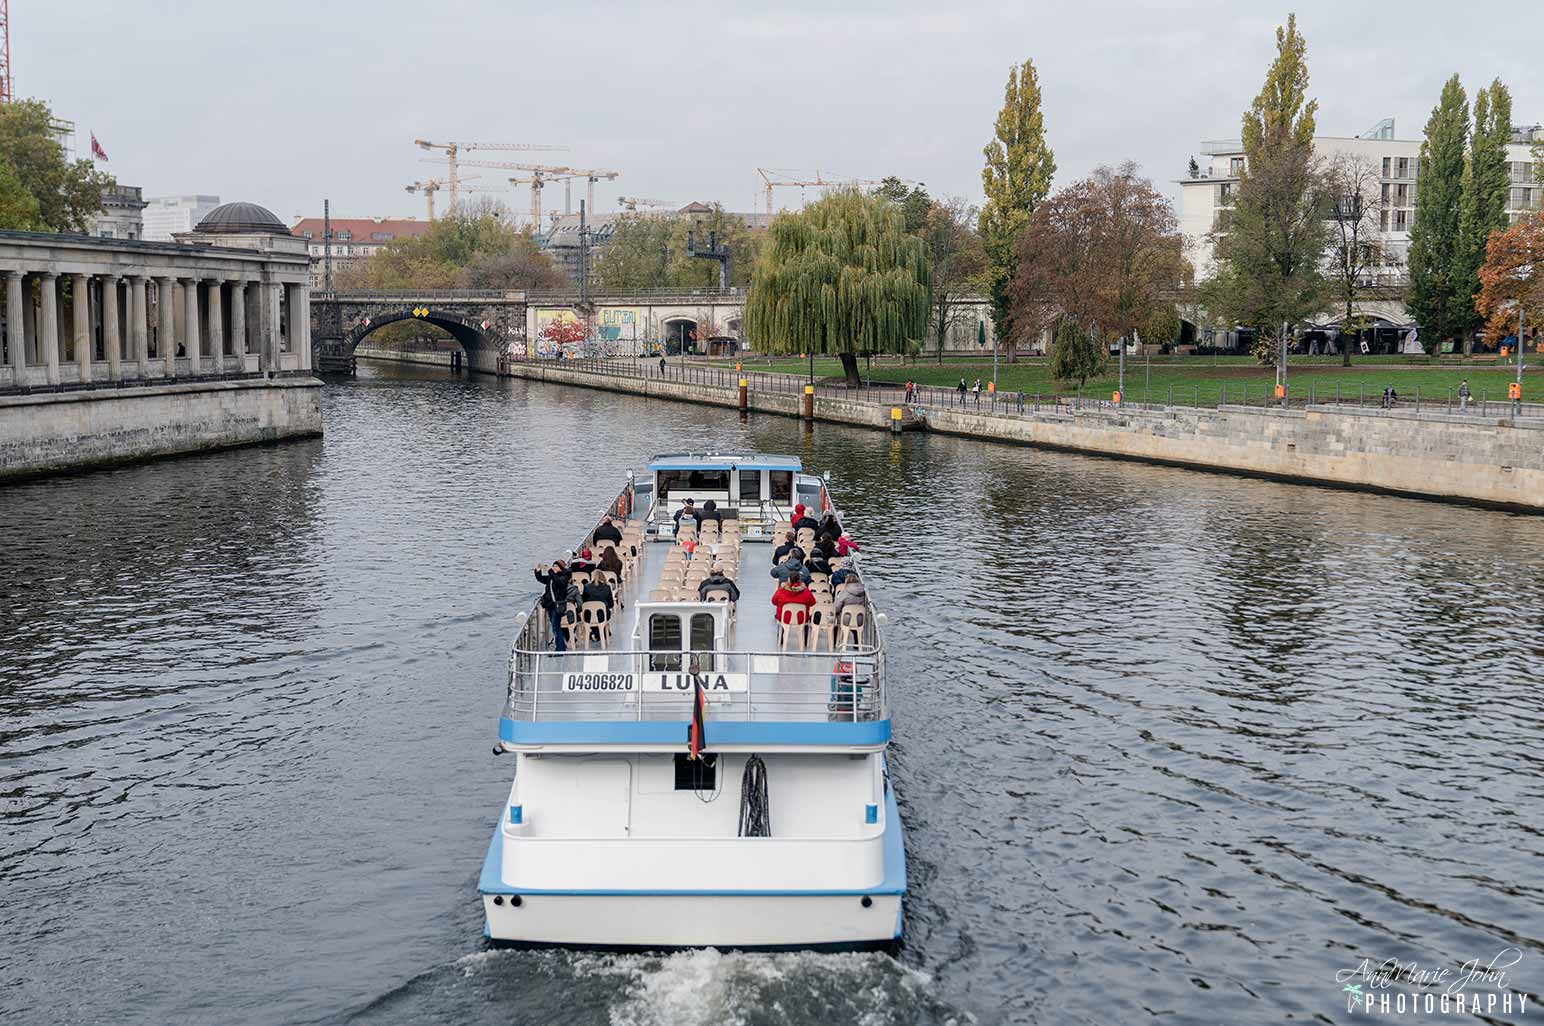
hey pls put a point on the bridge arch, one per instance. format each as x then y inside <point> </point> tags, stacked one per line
<point>472,336</point>
<point>677,329</point>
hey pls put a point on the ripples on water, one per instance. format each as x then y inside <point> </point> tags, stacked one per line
<point>1170,746</point>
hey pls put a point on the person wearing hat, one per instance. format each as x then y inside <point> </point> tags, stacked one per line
<point>802,519</point>
<point>584,564</point>
<point>716,581</point>
<point>607,531</point>
<point>554,597</point>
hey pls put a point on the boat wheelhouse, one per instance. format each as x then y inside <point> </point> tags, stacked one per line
<point>783,831</point>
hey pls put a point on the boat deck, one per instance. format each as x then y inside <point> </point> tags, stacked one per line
<point>754,629</point>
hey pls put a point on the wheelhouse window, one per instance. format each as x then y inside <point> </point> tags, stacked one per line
<point>781,482</point>
<point>689,482</point>
<point>702,642</point>
<point>665,642</point>
<point>750,485</point>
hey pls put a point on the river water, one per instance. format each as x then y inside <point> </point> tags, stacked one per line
<point>1171,747</point>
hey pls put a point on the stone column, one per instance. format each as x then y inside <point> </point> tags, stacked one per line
<point>303,318</point>
<point>166,307</point>
<point>80,296</point>
<point>268,325</point>
<point>29,324</point>
<point>292,316</point>
<point>15,326</point>
<point>48,324</point>
<point>112,341</point>
<point>139,329</point>
<point>216,324</point>
<point>239,324</point>
<point>190,323</point>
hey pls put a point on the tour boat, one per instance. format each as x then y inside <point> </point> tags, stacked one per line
<point>696,773</point>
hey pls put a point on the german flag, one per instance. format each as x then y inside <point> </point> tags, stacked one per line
<point>696,731</point>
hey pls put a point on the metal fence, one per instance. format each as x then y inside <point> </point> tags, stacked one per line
<point>1483,403</point>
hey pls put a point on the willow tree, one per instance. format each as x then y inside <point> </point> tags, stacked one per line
<point>842,276</point>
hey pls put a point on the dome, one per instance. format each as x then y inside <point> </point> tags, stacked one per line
<point>241,218</point>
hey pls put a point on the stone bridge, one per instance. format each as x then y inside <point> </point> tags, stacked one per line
<point>489,324</point>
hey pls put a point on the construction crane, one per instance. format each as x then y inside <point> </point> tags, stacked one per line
<point>634,202</point>
<point>593,176</point>
<point>536,181</point>
<point>453,150</point>
<point>430,186</point>
<point>7,90</point>
<point>773,178</point>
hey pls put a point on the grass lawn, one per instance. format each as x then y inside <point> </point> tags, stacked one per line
<point>1197,378</point>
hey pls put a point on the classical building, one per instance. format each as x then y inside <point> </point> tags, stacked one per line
<point>122,215</point>
<point>165,216</point>
<point>354,239</point>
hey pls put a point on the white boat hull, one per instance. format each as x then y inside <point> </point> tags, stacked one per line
<point>695,920</point>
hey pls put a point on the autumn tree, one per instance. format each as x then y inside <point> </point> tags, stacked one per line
<point>1105,252</point>
<point>1512,277</point>
<point>1485,185</point>
<point>1356,244</point>
<point>842,276</point>
<point>1076,354</point>
<point>957,260</point>
<point>1016,178</point>
<point>1439,298</point>
<point>651,250</point>
<point>1270,247</point>
<point>41,189</point>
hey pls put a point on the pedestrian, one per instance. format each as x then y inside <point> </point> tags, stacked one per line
<point>661,364</point>
<point>1393,397</point>
<point>554,597</point>
<point>976,389</point>
<point>1386,391</point>
<point>1463,396</point>
<point>962,391</point>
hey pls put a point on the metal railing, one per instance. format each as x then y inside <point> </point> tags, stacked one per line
<point>1484,402</point>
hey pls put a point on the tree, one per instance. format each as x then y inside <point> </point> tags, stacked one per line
<point>1271,246</point>
<point>1439,298</point>
<point>1356,246</point>
<point>1077,354</point>
<point>651,251</point>
<point>1485,185</point>
<point>957,260</point>
<point>1017,176</point>
<point>18,207</point>
<point>1105,252</point>
<point>915,202</point>
<point>1512,277</point>
<point>840,276</point>
<point>521,265</point>
<point>68,195</point>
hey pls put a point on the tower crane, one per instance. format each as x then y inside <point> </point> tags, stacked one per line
<point>536,181</point>
<point>430,186</point>
<point>593,176</point>
<point>772,179</point>
<point>7,88</point>
<point>453,150</point>
<point>634,202</point>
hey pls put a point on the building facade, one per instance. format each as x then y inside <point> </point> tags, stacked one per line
<point>354,240</point>
<point>122,214</point>
<point>165,216</point>
<point>1206,194</point>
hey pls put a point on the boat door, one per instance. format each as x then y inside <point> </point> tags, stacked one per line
<point>680,640</point>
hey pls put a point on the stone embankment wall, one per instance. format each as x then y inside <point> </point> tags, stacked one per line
<point>433,359</point>
<point>1470,458</point>
<point>43,433</point>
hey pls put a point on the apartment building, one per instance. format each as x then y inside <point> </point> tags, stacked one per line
<point>354,239</point>
<point>1210,190</point>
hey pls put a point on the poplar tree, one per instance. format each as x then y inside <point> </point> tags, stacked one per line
<point>1017,176</point>
<point>1271,244</point>
<point>1440,298</point>
<point>841,276</point>
<point>1486,181</point>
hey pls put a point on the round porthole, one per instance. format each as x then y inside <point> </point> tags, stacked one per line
<point>514,899</point>
<point>498,900</point>
<point>868,902</point>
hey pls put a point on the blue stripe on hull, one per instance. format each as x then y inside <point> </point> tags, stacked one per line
<point>673,732</point>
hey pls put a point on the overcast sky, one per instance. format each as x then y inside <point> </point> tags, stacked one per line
<point>283,103</point>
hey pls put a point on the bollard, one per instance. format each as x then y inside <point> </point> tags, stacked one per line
<point>809,402</point>
<point>744,395</point>
<point>895,420</point>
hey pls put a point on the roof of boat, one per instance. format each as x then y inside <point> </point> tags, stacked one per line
<point>717,460</point>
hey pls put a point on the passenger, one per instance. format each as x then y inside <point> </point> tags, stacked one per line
<point>792,568</point>
<point>584,564</point>
<point>782,550</point>
<point>830,525</point>
<point>845,546</point>
<point>802,519</point>
<point>816,564</point>
<point>841,575</point>
<point>710,511</point>
<point>611,562</point>
<point>791,593</point>
<point>689,508</point>
<point>597,590</point>
<point>825,547</point>
<point>716,581</point>
<point>855,595</point>
<point>554,597</point>
<point>607,531</point>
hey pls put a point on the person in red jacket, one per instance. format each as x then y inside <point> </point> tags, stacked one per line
<point>791,592</point>
<point>845,546</point>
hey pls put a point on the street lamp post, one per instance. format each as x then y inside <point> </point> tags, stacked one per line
<point>812,366</point>
<point>981,341</point>
<point>1121,385</point>
<point>1281,378</point>
<point>1517,404</point>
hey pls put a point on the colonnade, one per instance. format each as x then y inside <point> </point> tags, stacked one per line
<point>127,327</point>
